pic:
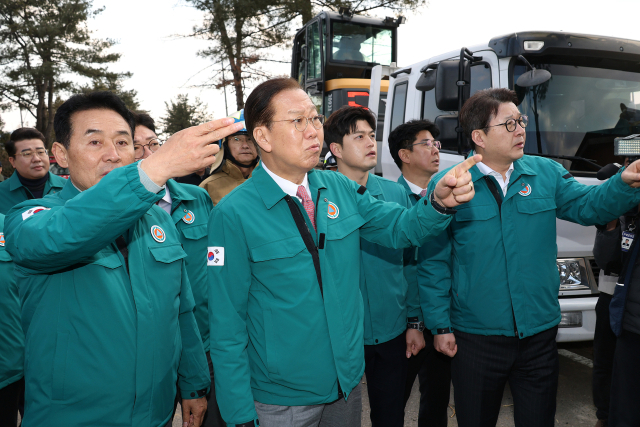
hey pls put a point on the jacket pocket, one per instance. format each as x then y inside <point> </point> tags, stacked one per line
<point>534,206</point>
<point>168,254</point>
<point>109,261</point>
<point>270,344</point>
<point>285,248</point>
<point>476,213</point>
<point>195,232</point>
<point>340,228</point>
<point>59,366</point>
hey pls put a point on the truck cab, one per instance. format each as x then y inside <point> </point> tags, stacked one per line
<point>592,97</point>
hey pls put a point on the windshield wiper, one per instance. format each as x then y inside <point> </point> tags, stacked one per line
<point>554,156</point>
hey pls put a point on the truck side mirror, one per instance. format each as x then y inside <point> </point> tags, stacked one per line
<point>447,84</point>
<point>533,78</point>
<point>427,81</point>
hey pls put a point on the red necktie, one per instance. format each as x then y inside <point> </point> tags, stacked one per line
<point>423,193</point>
<point>308,204</point>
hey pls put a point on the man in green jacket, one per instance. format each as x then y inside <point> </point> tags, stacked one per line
<point>11,340</point>
<point>31,178</point>
<point>284,267</point>
<point>416,151</point>
<point>493,281</point>
<point>107,308</point>
<point>189,207</point>
<point>392,315</point>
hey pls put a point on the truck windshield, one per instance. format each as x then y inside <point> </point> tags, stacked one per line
<point>579,112</point>
<point>352,42</point>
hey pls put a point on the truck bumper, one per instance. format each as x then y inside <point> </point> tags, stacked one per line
<point>587,308</point>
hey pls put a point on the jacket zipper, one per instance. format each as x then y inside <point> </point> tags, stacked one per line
<point>494,191</point>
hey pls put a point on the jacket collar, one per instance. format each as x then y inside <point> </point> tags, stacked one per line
<point>520,167</point>
<point>178,193</point>
<point>373,186</point>
<point>69,191</point>
<point>271,193</point>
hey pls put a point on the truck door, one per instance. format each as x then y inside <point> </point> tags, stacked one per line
<point>314,76</point>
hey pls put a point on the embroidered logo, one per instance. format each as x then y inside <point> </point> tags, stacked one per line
<point>215,256</point>
<point>525,191</point>
<point>1,239</point>
<point>189,217</point>
<point>333,211</point>
<point>158,234</point>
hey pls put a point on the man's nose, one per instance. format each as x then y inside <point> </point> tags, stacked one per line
<point>519,129</point>
<point>111,153</point>
<point>146,151</point>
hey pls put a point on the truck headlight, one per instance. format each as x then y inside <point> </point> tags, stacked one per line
<point>571,319</point>
<point>573,274</point>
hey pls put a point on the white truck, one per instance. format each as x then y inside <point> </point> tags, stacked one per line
<point>593,96</point>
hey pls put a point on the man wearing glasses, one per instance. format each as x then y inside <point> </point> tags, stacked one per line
<point>284,267</point>
<point>416,152</point>
<point>492,279</point>
<point>31,179</point>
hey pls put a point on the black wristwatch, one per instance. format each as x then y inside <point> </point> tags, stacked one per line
<point>438,207</point>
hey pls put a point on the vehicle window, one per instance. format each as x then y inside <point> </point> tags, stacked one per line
<point>361,43</point>
<point>399,104</point>
<point>314,68</point>
<point>579,112</point>
<point>480,77</point>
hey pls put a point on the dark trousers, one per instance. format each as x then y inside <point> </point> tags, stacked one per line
<point>604,347</point>
<point>386,369</point>
<point>11,401</point>
<point>484,364</point>
<point>212,418</point>
<point>625,384</point>
<point>434,374</point>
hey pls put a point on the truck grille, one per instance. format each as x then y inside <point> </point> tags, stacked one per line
<point>595,269</point>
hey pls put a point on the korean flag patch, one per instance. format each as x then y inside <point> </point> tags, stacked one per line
<point>33,211</point>
<point>215,256</point>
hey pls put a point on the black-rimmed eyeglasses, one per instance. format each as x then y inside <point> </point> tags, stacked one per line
<point>510,124</point>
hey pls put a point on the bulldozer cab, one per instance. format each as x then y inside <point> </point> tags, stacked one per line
<point>333,55</point>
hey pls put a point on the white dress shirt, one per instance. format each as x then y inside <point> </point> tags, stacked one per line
<point>291,188</point>
<point>414,188</point>
<point>504,183</point>
<point>165,202</point>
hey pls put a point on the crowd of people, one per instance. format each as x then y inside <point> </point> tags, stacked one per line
<point>221,270</point>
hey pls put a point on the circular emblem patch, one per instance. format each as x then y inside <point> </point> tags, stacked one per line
<point>333,211</point>
<point>1,239</point>
<point>525,191</point>
<point>158,234</point>
<point>189,217</point>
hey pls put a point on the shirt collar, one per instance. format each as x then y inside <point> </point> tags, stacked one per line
<point>486,170</point>
<point>288,187</point>
<point>414,188</point>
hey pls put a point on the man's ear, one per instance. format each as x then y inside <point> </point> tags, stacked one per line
<point>403,154</point>
<point>260,137</point>
<point>60,153</point>
<point>12,160</point>
<point>336,149</point>
<point>478,136</point>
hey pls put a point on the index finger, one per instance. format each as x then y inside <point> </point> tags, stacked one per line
<point>212,126</point>
<point>469,163</point>
<point>216,134</point>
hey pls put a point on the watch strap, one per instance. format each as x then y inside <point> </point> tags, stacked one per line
<point>438,207</point>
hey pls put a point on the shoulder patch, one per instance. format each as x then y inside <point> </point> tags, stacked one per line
<point>567,176</point>
<point>1,239</point>
<point>362,189</point>
<point>33,211</point>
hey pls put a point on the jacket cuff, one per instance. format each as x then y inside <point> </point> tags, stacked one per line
<point>147,182</point>
<point>194,394</point>
<point>442,331</point>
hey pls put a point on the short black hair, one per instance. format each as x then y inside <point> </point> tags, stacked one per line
<point>141,118</point>
<point>22,134</point>
<point>482,107</point>
<point>344,121</point>
<point>403,137</point>
<point>102,100</point>
<point>258,110</point>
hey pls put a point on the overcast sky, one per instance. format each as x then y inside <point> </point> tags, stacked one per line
<point>164,66</point>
